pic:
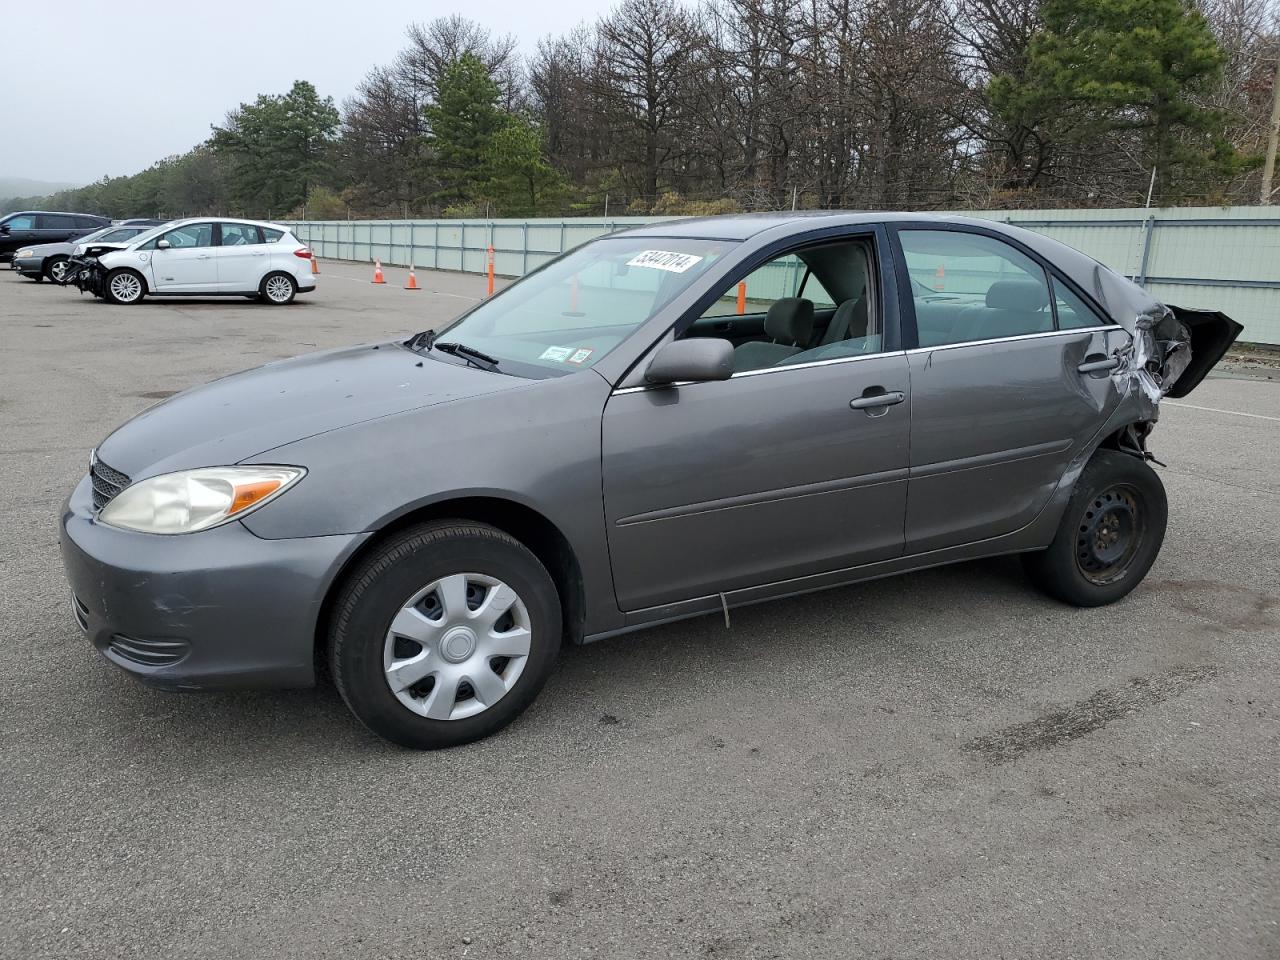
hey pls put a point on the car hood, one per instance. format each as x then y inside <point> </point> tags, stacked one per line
<point>246,414</point>
<point>48,249</point>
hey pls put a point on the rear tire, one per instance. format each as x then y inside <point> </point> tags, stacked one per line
<point>124,286</point>
<point>1110,534</point>
<point>278,289</point>
<point>456,671</point>
<point>57,269</point>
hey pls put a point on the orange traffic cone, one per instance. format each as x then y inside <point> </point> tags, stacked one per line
<point>413,280</point>
<point>315,264</point>
<point>377,272</point>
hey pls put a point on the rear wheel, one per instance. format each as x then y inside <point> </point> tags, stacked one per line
<point>58,269</point>
<point>1109,536</point>
<point>123,286</point>
<point>445,634</point>
<point>278,289</point>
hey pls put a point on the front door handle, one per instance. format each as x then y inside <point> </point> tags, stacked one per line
<point>874,397</point>
<point>1097,363</point>
<point>203,256</point>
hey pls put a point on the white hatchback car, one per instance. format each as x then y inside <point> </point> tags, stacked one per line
<point>201,257</point>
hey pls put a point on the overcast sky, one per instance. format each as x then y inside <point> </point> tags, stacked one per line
<point>94,87</point>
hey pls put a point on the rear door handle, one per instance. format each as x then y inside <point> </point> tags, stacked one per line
<point>1096,363</point>
<point>874,397</point>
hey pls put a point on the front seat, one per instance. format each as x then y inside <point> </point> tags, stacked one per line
<point>788,324</point>
<point>849,321</point>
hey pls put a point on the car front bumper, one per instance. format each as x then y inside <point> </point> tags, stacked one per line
<point>28,265</point>
<point>218,609</point>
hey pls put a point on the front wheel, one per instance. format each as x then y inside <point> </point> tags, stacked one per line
<point>123,286</point>
<point>445,634</point>
<point>58,269</point>
<point>1109,536</point>
<point>278,289</point>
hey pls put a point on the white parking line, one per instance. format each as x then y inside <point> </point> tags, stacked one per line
<point>1234,413</point>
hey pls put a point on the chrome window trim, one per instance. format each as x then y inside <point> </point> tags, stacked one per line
<point>1021,336</point>
<point>870,356</point>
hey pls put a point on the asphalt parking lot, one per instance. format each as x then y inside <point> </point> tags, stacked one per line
<point>940,765</point>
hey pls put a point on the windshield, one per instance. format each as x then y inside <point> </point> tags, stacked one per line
<point>96,235</point>
<point>573,311</point>
<point>114,235</point>
<point>149,233</point>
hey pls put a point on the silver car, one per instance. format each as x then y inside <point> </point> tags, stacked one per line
<point>668,422</point>
<point>53,260</point>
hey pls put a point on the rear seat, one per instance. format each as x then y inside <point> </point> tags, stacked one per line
<point>1012,307</point>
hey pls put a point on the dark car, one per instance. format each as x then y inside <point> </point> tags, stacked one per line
<point>32,227</point>
<point>663,423</point>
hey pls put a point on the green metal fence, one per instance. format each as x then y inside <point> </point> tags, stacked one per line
<point>1225,258</point>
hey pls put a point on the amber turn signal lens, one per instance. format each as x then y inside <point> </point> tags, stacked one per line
<point>247,494</point>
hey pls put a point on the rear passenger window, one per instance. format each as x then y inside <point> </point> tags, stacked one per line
<point>239,235</point>
<point>967,287</point>
<point>56,221</point>
<point>1072,311</point>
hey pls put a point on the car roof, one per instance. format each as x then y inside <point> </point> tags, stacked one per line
<point>256,223</point>
<point>61,213</point>
<point>743,226</point>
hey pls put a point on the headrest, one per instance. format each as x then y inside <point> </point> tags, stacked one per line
<point>1017,295</point>
<point>850,318</point>
<point>790,321</point>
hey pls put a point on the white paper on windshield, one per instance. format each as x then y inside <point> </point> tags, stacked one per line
<point>556,354</point>
<point>663,260</point>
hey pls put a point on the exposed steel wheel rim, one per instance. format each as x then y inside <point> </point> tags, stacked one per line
<point>457,646</point>
<point>59,271</point>
<point>1109,534</point>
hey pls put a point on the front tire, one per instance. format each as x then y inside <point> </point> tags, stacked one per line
<point>1110,534</point>
<point>124,286</point>
<point>57,269</point>
<point>277,289</point>
<point>444,635</point>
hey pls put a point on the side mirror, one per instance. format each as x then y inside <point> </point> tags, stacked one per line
<point>696,360</point>
<point>163,245</point>
<point>4,228</point>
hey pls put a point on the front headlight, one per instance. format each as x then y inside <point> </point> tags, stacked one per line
<point>23,254</point>
<point>194,500</point>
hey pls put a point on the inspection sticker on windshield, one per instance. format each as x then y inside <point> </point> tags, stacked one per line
<point>663,260</point>
<point>556,354</point>
<point>580,355</point>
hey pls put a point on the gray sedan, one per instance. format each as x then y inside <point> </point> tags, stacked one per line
<point>51,260</point>
<point>664,423</point>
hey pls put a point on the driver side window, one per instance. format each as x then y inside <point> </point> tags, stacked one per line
<point>192,235</point>
<point>815,303</point>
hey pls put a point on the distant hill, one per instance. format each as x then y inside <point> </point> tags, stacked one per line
<point>11,187</point>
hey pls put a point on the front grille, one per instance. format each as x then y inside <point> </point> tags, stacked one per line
<point>107,482</point>
<point>148,653</point>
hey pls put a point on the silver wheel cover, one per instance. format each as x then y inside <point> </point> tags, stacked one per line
<point>457,646</point>
<point>59,271</point>
<point>279,289</point>
<point>126,287</point>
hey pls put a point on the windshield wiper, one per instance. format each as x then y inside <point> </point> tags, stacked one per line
<point>421,341</point>
<point>470,354</point>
